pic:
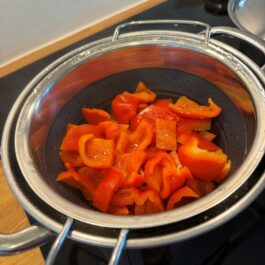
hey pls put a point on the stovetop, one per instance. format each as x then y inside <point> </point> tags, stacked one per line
<point>239,241</point>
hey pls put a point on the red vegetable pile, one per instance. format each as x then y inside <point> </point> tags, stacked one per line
<point>149,155</point>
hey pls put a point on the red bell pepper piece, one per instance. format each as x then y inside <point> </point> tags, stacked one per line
<point>203,164</point>
<point>123,197</point>
<point>118,210</point>
<point>143,93</point>
<point>163,175</point>
<point>112,129</point>
<point>134,180</point>
<point>204,143</point>
<point>76,180</point>
<point>111,182</point>
<point>151,113</point>
<point>73,134</point>
<point>187,108</point>
<point>178,195</point>
<point>201,187</point>
<point>207,135</point>
<point>95,116</point>
<point>198,124</point>
<point>71,159</point>
<point>147,202</point>
<point>130,162</point>
<point>166,134</point>
<point>94,175</point>
<point>124,107</point>
<point>96,152</point>
<point>142,137</point>
<point>172,178</point>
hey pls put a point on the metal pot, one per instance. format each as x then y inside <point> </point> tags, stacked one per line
<point>173,63</point>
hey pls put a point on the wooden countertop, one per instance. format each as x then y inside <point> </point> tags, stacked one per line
<point>12,219</point>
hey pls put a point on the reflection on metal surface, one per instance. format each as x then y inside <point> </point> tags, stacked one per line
<point>248,15</point>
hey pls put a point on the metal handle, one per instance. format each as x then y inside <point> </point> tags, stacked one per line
<point>115,257</point>
<point>157,22</point>
<point>236,33</point>
<point>34,236</point>
<point>59,241</point>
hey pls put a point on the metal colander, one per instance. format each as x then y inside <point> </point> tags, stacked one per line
<point>172,63</point>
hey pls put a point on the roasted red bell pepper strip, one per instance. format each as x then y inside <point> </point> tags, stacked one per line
<point>203,164</point>
<point>76,180</point>
<point>71,139</point>
<point>96,152</point>
<point>178,195</point>
<point>166,134</point>
<point>95,116</point>
<point>184,107</point>
<point>111,182</point>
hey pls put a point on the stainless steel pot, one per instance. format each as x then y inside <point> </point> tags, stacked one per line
<point>173,63</point>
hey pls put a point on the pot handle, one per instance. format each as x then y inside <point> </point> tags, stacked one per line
<point>33,236</point>
<point>239,34</point>
<point>162,22</point>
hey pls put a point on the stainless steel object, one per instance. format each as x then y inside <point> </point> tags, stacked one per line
<point>172,51</point>
<point>248,15</point>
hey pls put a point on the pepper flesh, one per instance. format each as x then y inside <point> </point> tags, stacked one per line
<point>187,108</point>
<point>203,164</point>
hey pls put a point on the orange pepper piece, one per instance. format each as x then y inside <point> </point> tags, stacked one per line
<point>71,159</point>
<point>147,202</point>
<point>187,108</point>
<point>73,134</point>
<point>104,192</point>
<point>143,93</point>
<point>76,180</point>
<point>95,116</point>
<point>112,129</point>
<point>203,164</point>
<point>96,152</point>
<point>178,195</point>
<point>123,197</point>
<point>166,134</point>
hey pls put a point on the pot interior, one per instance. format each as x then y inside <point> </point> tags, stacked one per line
<point>169,71</point>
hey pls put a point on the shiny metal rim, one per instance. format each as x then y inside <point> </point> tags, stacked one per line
<point>96,218</point>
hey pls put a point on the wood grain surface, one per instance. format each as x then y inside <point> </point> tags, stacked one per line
<point>12,219</point>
